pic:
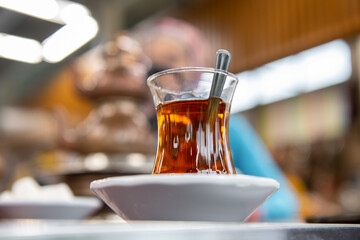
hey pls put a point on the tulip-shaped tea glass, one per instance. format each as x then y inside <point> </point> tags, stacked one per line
<point>192,128</point>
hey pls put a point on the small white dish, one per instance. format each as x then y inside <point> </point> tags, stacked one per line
<point>185,197</point>
<point>75,208</point>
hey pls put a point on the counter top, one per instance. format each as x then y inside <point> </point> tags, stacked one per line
<point>98,230</point>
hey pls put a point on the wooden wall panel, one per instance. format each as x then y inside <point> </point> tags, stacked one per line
<point>259,31</point>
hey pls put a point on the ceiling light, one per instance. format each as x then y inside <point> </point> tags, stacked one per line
<point>68,39</point>
<point>44,9</point>
<point>20,49</point>
<point>72,12</point>
<point>79,28</point>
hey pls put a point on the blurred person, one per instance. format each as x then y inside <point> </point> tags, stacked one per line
<point>172,43</point>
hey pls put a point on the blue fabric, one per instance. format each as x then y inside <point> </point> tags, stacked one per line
<point>251,157</point>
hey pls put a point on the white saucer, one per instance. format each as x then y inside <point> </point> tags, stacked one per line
<point>75,208</point>
<point>185,197</point>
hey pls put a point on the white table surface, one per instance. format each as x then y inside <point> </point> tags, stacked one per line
<point>100,230</point>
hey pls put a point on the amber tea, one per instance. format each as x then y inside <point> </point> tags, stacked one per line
<point>188,142</point>
<point>193,132</point>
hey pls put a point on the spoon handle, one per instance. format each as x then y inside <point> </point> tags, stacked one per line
<point>223,58</point>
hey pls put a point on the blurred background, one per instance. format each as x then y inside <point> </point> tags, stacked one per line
<point>74,105</point>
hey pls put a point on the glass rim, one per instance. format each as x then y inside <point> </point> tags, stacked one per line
<point>193,69</point>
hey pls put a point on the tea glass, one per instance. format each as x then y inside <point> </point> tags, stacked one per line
<point>188,142</point>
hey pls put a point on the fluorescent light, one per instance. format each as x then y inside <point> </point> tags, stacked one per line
<point>71,12</point>
<point>44,9</point>
<point>69,38</point>
<point>79,29</point>
<point>20,49</point>
<point>307,71</point>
